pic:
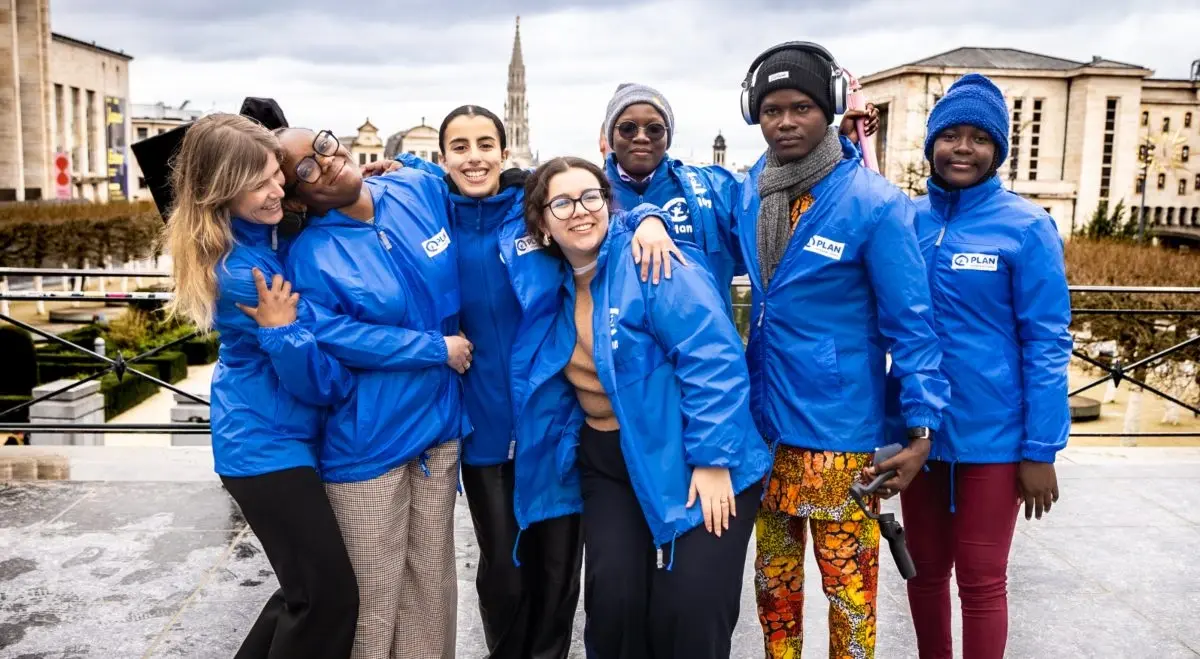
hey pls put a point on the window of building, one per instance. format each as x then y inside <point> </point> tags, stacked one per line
<point>437,158</point>
<point>1187,120</point>
<point>1014,150</point>
<point>1162,181</point>
<point>143,133</point>
<point>1195,216</point>
<point>141,183</point>
<point>1141,184</point>
<point>412,153</point>
<point>1110,132</point>
<point>1035,138</point>
<point>1158,214</point>
<point>1170,216</point>
<point>362,158</point>
<point>1145,118</point>
<point>374,157</point>
<point>95,163</point>
<point>1182,186</point>
<point>881,138</point>
<point>1185,153</point>
<point>1166,124</point>
<point>1197,185</point>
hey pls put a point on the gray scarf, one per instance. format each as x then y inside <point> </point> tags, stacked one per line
<point>778,185</point>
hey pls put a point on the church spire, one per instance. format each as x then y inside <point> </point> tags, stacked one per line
<point>516,109</point>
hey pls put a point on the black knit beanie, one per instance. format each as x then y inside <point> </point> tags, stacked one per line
<point>794,69</point>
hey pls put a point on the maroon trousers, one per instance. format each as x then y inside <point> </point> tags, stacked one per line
<point>974,539</point>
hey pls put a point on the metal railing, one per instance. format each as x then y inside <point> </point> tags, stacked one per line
<point>120,366</point>
<point>1115,372</point>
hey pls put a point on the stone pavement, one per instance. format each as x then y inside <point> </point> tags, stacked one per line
<point>150,558</point>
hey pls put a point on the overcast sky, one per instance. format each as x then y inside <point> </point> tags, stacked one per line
<point>332,64</point>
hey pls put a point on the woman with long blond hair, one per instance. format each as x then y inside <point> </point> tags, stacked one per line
<point>270,382</point>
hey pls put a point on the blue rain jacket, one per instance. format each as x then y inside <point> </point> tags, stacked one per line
<point>381,297</point>
<point>850,288</point>
<point>675,371</point>
<point>264,418</point>
<point>1002,309</point>
<point>699,203</point>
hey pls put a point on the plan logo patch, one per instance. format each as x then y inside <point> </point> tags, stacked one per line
<point>437,244</point>
<point>676,209</point>
<point>830,249</point>
<point>981,262</point>
<point>526,244</point>
<point>613,313</point>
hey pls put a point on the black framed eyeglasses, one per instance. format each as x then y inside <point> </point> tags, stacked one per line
<point>325,144</point>
<point>630,129</point>
<point>562,208</point>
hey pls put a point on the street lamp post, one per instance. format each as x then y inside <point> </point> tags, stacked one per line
<point>1146,154</point>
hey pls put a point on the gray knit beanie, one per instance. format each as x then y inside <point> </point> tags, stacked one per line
<point>629,93</point>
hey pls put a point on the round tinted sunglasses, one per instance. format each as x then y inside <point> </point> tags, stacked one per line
<point>629,130</point>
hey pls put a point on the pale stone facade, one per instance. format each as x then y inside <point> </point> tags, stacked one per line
<point>420,141</point>
<point>1075,128</point>
<point>365,146</point>
<point>53,92</point>
<point>150,119</point>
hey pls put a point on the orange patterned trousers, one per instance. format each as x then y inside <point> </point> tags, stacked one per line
<point>810,490</point>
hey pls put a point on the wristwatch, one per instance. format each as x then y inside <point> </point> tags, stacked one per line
<point>920,432</point>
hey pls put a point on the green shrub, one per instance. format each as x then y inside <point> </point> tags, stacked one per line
<point>121,396</point>
<point>201,351</point>
<point>169,366</point>
<point>50,234</point>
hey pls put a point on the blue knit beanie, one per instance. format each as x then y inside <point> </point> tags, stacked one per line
<point>975,100</point>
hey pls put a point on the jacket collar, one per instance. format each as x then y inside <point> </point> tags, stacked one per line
<point>251,233</point>
<point>947,201</point>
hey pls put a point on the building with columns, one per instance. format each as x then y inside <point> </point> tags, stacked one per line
<point>60,96</point>
<point>516,109</point>
<point>1076,128</point>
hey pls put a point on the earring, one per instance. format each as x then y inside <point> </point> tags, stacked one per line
<point>546,239</point>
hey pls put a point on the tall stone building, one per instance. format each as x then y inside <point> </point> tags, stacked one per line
<point>516,109</point>
<point>365,145</point>
<point>59,97</point>
<point>1076,128</point>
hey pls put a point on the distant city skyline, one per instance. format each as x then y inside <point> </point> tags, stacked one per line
<point>427,60</point>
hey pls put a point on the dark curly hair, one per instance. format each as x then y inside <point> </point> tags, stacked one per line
<point>537,187</point>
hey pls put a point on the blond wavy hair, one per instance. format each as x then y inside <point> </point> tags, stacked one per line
<point>221,156</point>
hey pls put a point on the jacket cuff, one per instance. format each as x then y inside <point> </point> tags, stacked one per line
<point>270,339</point>
<point>1038,454</point>
<point>441,351</point>
<point>923,417</point>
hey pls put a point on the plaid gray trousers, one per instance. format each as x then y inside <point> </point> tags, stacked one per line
<point>399,532</point>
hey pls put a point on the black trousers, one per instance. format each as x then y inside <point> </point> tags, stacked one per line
<point>636,610</point>
<point>315,610</point>
<point>527,611</point>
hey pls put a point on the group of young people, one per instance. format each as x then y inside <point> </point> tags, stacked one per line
<point>563,339</point>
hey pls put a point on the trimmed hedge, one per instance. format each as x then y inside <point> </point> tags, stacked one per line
<point>167,366</point>
<point>49,234</point>
<point>124,395</point>
<point>202,351</point>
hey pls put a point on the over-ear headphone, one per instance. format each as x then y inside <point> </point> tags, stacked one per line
<point>838,83</point>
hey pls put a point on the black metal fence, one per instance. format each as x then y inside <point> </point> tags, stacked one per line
<point>1115,372</point>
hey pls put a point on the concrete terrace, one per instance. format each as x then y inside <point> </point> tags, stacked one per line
<point>144,555</point>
